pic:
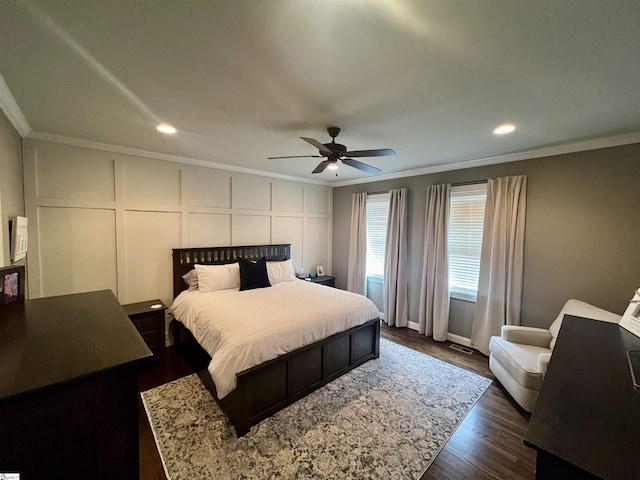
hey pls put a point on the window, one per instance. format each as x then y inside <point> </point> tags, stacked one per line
<point>466,221</point>
<point>377,215</point>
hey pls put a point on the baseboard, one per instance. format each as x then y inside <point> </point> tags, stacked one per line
<point>452,337</point>
<point>460,340</point>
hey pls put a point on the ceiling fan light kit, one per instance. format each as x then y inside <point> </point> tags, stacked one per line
<point>334,152</point>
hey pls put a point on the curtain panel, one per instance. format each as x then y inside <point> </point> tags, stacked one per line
<point>357,261</point>
<point>396,309</point>
<point>434,291</point>
<point>501,260</point>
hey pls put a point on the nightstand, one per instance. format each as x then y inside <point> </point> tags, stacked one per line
<point>148,321</point>
<point>327,280</point>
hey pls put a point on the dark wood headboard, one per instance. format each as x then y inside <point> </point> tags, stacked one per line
<point>184,259</point>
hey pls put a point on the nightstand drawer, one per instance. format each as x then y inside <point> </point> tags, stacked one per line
<point>151,338</point>
<point>146,323</point>
<point>327,280</point>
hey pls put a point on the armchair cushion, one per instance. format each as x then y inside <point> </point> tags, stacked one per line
<point>539,337</point>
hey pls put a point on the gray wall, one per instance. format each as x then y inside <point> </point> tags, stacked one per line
<point>11,190</point>
<point>582,230</point>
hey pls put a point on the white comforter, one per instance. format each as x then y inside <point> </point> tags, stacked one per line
<point>240,330</point>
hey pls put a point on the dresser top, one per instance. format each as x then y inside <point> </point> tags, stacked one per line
<point>49,341</point>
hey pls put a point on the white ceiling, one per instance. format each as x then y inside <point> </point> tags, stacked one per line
<point>242,80</point>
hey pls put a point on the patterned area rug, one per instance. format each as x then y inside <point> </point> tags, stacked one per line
<point>388,418</point>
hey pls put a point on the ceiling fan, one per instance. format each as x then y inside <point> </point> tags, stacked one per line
<point>334,151</point>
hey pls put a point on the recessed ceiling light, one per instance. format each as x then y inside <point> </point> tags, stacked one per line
<point>333,166</point>
<point>166,128</point>
<point>504,129</point>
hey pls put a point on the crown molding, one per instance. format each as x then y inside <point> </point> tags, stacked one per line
<point>12,110</point>
<point>107,147</point>
<point>605,142</point>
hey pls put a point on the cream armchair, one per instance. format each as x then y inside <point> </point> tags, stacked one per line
<point>520,355</point>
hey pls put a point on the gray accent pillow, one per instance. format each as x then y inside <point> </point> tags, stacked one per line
<point>191,279</point>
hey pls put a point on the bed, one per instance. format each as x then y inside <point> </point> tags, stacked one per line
<point>325,352</point>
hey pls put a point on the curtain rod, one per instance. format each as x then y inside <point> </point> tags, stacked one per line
<point>456,184</point>
<point>378,193</point>
<point>472,182</point>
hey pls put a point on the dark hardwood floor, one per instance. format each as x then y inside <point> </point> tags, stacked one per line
<point>487,445</point>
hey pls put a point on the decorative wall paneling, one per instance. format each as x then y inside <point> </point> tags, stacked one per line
<point>100,220</point>
<point>77,250</point>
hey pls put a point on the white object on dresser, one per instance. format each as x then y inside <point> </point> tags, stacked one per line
<point>631,318</point>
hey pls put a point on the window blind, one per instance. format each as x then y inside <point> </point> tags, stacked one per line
<point>377,216</point>
<point>466,222</point>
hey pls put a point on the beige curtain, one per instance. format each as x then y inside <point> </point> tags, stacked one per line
<point>434,291</point>
<point>396,310</point>
<point>357,244</point>
<point>501,260</point>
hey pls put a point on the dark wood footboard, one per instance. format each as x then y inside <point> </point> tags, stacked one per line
<point>271,386</point>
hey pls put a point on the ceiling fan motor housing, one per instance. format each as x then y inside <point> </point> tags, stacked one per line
<point>336,148</point>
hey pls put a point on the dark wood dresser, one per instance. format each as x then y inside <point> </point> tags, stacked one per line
<point>68,388</point>
<point>586,423</point>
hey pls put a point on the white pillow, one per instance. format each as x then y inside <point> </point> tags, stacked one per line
<point>279,272</point>
<point>218,277</point>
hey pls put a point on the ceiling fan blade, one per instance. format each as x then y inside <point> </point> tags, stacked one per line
<point>316,144</point>
<point>322,165</point>
<point>360,166</point>
<point>382,152</point>
<point>296,156</point>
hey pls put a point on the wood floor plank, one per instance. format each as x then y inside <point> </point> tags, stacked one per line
<point>487,445</point>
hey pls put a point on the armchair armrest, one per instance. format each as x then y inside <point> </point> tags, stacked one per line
<point>538,337</point>
<point>543,363</point>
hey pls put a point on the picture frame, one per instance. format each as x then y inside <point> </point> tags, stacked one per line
<point>12,284</point>
<point>320,270</point>
<point>19,238</point>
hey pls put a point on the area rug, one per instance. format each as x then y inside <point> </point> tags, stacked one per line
<point>387,419</point>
